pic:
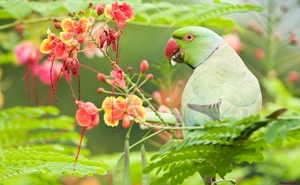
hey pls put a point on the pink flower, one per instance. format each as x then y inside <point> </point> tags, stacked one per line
<point>27,52</point>
<point>259,53</point>
<point>87,114</point>
<point>120,13</point>
<point>118,76</point>
<point>109,37</point>
<point>44,72</point>
<point>234,41</point>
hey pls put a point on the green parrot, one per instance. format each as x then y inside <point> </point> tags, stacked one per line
<point>221,87</point>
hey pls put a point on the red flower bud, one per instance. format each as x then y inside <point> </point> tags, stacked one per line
<point>293,38</point>
<point>144,66</point>
<point>293,76</point>
<point>101,77</point>
<point>129,69</point>
<point>100,90</point>
<point>126,121</point>
<point>57,25</point>
<point>55,19</point>
<point>91,4</point>
<point>82,12</point>
<point>259,53</point>
<point>150,77</point>
<point>71,14</point>
<point>100,10</point>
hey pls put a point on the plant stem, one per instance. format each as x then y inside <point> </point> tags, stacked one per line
<point>270,50</point>
<point>30,21</point>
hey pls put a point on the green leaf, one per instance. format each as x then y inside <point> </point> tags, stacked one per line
<point>170,15</point>
<point>75,6</point>
<point>145,176</point>
<point>44,159</point>
<point>46,8</point>
<point>27,154</point>
<point>122,170</point>
<point>281,128</point>
<point>16,8</point>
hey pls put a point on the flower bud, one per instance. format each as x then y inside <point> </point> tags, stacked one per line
<point>100,90</point>
<point>144,66</point>
<point>101,77</point>
<point>126,121</point>
<point>100,10</point>
<point>259,53</point>
<point>293,76</point>
<point>150,77</point>
<point>129,69</point>
<point>91,4</point>
<point>55,19</point>
<point>293,38</point>
<point>57,25</point>
<point>157,97</point>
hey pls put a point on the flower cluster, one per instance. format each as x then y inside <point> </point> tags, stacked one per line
<point>27,53</point>
<point>130,108</point>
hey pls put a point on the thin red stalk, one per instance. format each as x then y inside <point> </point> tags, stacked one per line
<point>52,84</point>
<point>79,146</point>
<point>27,83</point>
<point>56,134</point>
<point>35,89</point>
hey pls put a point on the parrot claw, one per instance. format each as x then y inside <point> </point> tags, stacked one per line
<point>176,113</point>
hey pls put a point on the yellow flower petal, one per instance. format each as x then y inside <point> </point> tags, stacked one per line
<point>142,113</point>
<point>46,46</point>
<point>135,100</point>
<point>108,102</point>
<point>108,119</point>
<point>66,24</point>
<point>107,11</point>
<point>66,37</point>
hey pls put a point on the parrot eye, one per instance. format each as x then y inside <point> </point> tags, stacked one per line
<point>189,37</point>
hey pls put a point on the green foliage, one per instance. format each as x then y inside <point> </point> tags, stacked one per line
<point>122,170</point>
<point>170,15</point>
<point>149,14</point>
<point>22,151</point>
<point>219,147</point>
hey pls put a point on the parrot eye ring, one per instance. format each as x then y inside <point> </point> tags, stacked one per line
<point>189,37</point>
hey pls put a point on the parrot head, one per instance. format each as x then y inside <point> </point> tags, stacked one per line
<point>192,45</point>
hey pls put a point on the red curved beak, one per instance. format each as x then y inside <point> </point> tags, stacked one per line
<point>171,48</point>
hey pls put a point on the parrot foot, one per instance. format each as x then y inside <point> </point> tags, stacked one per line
<point>176,113</point>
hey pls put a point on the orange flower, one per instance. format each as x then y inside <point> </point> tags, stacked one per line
<point>120,13</point>
<point>87,114</point>
<point>73,28</point>
<point>123,109</point>
<point>48,43</point>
